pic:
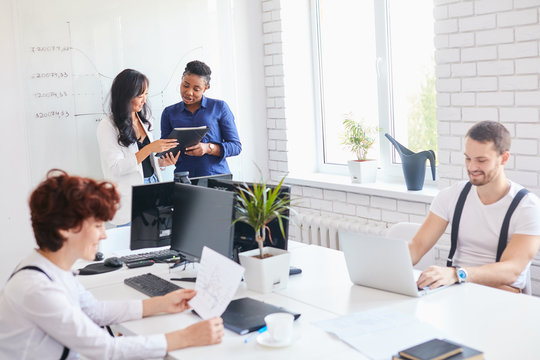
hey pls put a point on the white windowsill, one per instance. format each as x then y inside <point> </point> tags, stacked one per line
<point>395,190</point>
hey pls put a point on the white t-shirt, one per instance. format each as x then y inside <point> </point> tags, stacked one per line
<point>480,225</point>
<point>39,316</point>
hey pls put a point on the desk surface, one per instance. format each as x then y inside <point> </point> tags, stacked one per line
<point>310,341</point>
<point>503,325</point>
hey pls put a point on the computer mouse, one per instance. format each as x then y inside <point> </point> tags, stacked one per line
<point>113,262</point>
<point>99,256</point>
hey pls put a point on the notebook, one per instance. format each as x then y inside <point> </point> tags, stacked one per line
<point>467,353</point>
<point>381,263</point>
<point>245,315</point>
<point>434,349</point>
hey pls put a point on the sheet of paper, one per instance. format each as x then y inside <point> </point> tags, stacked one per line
<point>218,279</point>
<point>380,333</point>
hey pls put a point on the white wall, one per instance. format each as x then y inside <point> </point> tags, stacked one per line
<point>15,239</point>
<point>488,64</point>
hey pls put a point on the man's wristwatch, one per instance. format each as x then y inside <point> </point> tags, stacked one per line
<point>461,274</point>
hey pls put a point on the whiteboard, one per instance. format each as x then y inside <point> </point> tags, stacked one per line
<point>72,50</point>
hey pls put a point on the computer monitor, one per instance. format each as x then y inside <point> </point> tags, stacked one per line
<point>244,235</point>
<point>202,217</point>
<point>203,180</point>
<point>151,215</point>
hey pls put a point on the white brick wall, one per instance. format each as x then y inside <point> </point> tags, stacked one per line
<point>275,92</point>
<point>505,55</point>
<point>505,86</point>
<point>382,210</point>
<point>487,68</point>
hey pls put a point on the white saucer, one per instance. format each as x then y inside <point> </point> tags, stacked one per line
<point>265,340</point>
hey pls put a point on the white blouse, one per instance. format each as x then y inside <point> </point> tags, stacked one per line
<point>38,317</point>
<point>119,165</point>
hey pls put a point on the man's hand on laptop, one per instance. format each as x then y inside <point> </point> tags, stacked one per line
<point>436,276</point>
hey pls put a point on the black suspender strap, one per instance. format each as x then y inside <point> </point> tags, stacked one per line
<point>455,222</point>
<point>503,236</point>
<point>65,352</point>
<point>31,267</point>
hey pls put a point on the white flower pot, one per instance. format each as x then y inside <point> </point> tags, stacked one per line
<point>268,274</point>
<point>363,171</point>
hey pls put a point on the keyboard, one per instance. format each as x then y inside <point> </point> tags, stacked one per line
<point>159,255</point>
<point>151,285</point>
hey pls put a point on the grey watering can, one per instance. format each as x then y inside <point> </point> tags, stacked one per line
<point>414,164</point>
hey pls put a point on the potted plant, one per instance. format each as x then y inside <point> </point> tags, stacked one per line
<point>267,268</point>
<point>359,138</point>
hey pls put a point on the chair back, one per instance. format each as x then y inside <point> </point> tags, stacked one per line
<point>406,231</point>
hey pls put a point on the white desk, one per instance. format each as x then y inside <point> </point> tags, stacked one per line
<point>501,324</point>
<point>311,342</point>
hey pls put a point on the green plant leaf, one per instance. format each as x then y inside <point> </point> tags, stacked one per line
<point>259,204</point>
<point>357,137</point>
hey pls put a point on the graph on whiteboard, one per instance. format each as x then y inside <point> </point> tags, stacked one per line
<point>71,51</point>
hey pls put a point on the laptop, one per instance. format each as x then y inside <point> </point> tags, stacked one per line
<point>381,263</point>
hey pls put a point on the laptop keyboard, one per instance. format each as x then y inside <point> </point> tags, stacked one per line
<point>151,285</point>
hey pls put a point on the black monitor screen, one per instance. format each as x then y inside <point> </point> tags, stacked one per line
<point>203,180</point>
<point>151,215</point>
<point>202,217</point>
<point>244,235</point>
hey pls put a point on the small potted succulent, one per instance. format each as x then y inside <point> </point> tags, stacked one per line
<point>359,138</point>
<point>267,268</point>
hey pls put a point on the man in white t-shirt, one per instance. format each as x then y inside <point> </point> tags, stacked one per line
<point>487,146</point>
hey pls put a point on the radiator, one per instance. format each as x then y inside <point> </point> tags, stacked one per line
<point>323,230</point>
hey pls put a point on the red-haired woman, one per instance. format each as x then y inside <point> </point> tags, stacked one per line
<point>45,313</point>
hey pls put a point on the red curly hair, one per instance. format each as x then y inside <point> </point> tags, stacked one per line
<point>63,202</point>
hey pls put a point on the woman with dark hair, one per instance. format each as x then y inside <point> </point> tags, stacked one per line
<point>125,141</point>
<point>45,313</point>
<point>209,156</point>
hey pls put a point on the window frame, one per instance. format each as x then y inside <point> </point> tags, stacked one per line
<point>389,166</point>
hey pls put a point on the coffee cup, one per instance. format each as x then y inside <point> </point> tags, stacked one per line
<point>280,327</point>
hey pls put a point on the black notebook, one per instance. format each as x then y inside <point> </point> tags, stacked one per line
<point>245,315</point>
<point>467,353</point>
<point>434,349</point>
<point>186,136</point>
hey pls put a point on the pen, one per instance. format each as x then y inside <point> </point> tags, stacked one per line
<point>250,337</point>
<point>190,279</point>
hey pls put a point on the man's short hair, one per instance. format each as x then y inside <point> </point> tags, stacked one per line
<point>486,131</point>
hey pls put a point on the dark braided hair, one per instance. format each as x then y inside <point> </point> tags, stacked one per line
<point>199,68</point>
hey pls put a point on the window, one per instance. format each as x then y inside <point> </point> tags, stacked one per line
<point>374,60</point>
